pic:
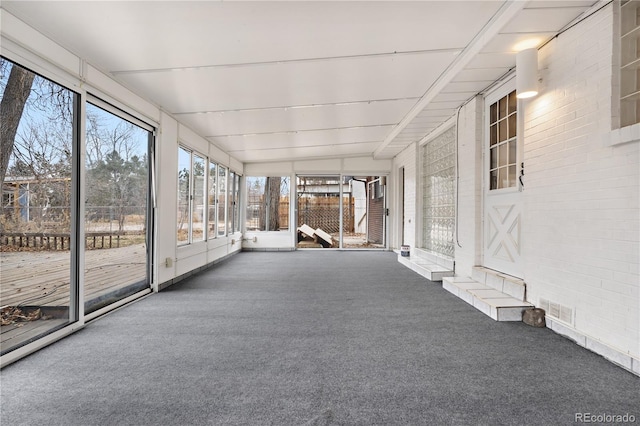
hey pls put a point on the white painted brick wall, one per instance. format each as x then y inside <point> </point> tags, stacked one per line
<point>407,159</point>
<point>582,220</point>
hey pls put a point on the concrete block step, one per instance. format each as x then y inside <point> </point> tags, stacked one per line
<point>426,268</point>
<point>493,303</point>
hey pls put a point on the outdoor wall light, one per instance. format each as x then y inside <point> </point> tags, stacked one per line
<point>527,73</point>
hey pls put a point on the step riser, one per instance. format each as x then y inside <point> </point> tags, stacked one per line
<point>512,286</point>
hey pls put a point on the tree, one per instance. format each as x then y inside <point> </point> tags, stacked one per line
<point>273,203</point>
<point>14,99</point>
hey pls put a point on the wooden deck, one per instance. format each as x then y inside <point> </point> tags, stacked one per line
<point>42,278</point>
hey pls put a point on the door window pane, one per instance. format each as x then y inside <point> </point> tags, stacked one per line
<point>116,198</point>
<point>503,147</point>
<point>318,209</point>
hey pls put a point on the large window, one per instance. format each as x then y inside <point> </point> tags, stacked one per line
<point>116,207</point>
<point>184,195</point>
<point>221,202</point>
<point>629,62</point>
<point>212,200</point>
<point>234,202</point>
<point>208,198</point>
<point>267,203</point>
<point>198,211</point>
<point>192,196</point>
<point>38,168</point>
<point>502,142</point>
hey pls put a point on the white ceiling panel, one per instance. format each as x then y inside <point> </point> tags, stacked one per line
<point>302,138</point>
<point>442,105</point>
<point>470,87</point>
<point>298,118</point>
<point>291,84</point>
<point>545,4</point>
<point>499,61</point>
<point>163,34</point>
<point>540,20</point>
<point>480,74</point>
<point>293,153</point>
<point>509,42</point>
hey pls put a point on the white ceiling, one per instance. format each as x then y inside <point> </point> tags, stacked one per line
<point>272,81</point>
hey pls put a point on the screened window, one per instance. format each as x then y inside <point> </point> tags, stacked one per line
<point>502,142</point>
<point>267,203</point>
<point>629,62</point>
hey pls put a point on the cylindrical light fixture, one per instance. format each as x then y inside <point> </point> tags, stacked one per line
<point>527,73</point>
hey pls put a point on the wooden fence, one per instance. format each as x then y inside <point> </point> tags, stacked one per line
<point>324,213</point>
<point>58,241</point>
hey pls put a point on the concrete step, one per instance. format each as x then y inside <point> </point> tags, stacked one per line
<point>514,287</point>
<point>496,304</point>
<point>425,267</point>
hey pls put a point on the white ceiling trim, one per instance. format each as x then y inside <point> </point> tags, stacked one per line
<point>289,132</point>
<point>287,107</point>
<point>285,61</point>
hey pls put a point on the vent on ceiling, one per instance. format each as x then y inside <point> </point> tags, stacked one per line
<point>557,311</point>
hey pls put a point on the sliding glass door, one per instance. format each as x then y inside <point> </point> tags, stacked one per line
<point>344,211</point>
<point>37,222</point>
<point>116,207</point>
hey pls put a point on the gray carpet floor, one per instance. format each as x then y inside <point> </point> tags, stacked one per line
<point>311,338</point>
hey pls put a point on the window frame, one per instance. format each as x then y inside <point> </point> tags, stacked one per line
<point>500,121</point>
<point>627,62</point>
<point>264,204</point>
<point>221,200</point>
<point>191,196</point>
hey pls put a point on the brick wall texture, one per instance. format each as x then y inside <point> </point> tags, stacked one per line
<point>581,223</point>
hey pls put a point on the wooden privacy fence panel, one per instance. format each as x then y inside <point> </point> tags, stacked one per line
<point>324,213</point>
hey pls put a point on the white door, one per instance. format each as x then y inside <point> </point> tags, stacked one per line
<point>502,194</point>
